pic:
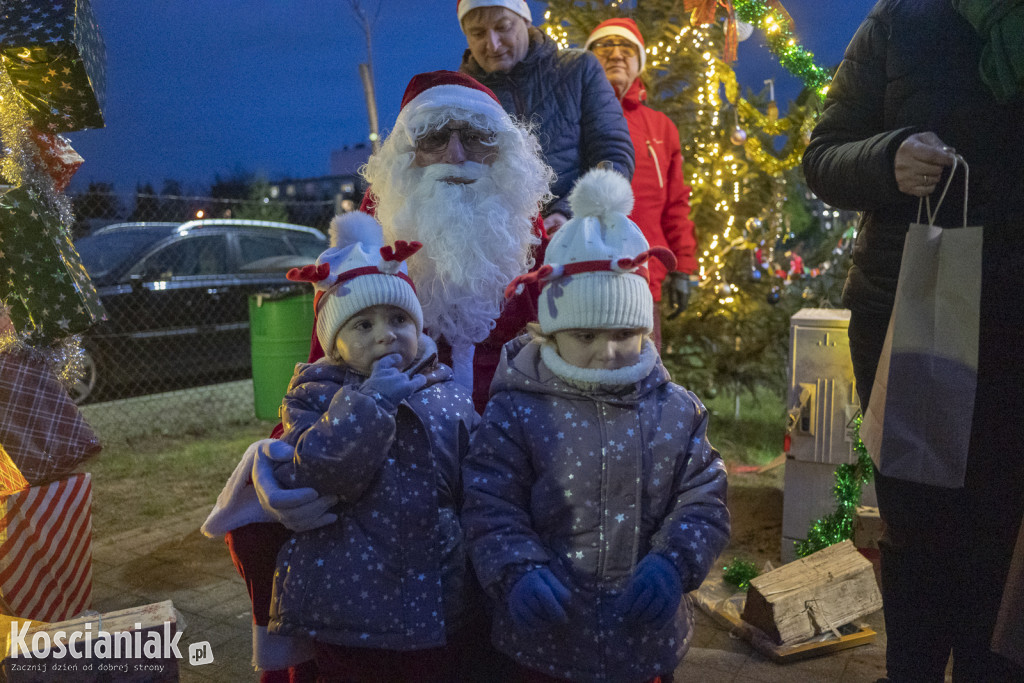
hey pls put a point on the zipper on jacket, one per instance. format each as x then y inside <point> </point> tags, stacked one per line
<point>602,548</point>
<point>657,166</point>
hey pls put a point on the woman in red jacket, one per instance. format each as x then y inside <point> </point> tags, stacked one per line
<point>662,196</point>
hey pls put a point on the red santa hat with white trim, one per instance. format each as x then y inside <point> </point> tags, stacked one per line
<point>358,271</point>
<point>623,27</point>
<point>594,273</point>
<point>518,6</point>
<point>450,92</point>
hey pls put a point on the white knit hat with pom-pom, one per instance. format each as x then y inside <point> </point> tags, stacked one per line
<point>594,274</point>
<point>358,272</point>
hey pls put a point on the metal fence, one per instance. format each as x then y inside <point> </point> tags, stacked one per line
<point>174,354</point>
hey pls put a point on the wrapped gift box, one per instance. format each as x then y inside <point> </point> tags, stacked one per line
<point>55,57</point>
<point>45,285</point>
<point>11,478</point>
<point>46,549</point>
<point>59,158</point>
<point>41,428</point>
<point>153,626</point>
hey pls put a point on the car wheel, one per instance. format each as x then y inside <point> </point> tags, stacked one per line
<point>86,388</point>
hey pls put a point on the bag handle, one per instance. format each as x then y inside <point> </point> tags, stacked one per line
<point>926,201</point>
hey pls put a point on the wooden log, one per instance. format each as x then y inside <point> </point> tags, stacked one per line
<point>813,595</point>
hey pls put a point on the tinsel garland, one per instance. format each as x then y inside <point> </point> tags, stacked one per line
<point>850,478</point>
<point>20,159</point>
<point>783,44</point>
<point>754,148</point>
<point>65,357</point>
<point>739,573</point>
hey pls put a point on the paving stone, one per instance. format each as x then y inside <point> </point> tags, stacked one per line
<point>176,562</point>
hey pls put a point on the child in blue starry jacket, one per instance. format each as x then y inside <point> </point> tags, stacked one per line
<point>380,424</point>
<point>593,499</point>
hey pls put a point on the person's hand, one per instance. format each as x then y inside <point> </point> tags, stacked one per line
<point>919,163</point>
<point>297,509</point>
<point>538,599</point>
<point>553,221</point>
<point>677,289</point>
<point>653,594</point>
<point>389,383</point>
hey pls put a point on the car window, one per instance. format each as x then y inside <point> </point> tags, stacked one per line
<point>105,252</point>
<point>200,255</point>
<point>256,247</point>
<point>307,245</point>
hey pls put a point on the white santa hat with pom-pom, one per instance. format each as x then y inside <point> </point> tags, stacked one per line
<point>594,269</point>
<point>358,271</point>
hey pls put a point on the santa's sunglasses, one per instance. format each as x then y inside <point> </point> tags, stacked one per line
<point>604,48</point>
<point>474,140</point>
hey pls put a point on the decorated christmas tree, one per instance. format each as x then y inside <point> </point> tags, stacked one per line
<point>762,254</point>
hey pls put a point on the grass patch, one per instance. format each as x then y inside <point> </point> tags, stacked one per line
<point>755,437</point>
<point>137,484</point>
<point>142,480</point>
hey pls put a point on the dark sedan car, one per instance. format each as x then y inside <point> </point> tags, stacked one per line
<point>176,297</point>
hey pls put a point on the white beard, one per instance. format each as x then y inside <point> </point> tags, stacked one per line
<point>476,238</point>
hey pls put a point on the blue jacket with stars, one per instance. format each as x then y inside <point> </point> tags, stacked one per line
<point>391,572</point>
<point>588,481</point>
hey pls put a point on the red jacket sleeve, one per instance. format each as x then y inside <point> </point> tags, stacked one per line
<point>675,217</point>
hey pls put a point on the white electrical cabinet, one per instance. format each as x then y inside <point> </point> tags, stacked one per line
<point>821,405</point>
<point>822,391</point>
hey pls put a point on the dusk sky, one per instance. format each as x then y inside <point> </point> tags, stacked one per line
<point>197,89</point>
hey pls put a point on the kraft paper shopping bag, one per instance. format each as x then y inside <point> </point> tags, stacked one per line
<point>918,423</point>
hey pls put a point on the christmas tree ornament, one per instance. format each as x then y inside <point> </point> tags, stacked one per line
<point>744,30</point>
<point>773,108</point>
<point>774,295</point>
<point>738,136</point>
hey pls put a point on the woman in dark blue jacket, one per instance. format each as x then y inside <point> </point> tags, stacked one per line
<point>564,91</point>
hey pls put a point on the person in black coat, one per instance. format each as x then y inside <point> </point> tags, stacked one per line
<point>923,80</point>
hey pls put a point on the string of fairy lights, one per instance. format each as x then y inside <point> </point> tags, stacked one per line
<point>715,164</point>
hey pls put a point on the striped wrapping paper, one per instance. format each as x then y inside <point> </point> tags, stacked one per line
<point>46,549</point>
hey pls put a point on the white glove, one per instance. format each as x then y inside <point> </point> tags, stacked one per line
<point>297,509</point>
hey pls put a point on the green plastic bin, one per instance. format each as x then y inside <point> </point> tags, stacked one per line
<point>280,327</point>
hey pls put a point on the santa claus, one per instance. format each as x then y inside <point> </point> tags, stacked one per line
<point>460,176</point>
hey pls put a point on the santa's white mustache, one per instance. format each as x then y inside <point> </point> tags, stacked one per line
<point>469,170</point>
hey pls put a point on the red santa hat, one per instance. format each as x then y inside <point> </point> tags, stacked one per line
<point>430,92</point>
<point>358,272</point>
<point>518,6</point>
<point>623,28</point>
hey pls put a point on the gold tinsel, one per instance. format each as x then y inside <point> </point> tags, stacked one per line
<point>20,161</point>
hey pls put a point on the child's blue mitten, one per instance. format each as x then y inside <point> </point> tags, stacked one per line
<point>538,599</point>
<point>391,384</point>
<point>653,594</point>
